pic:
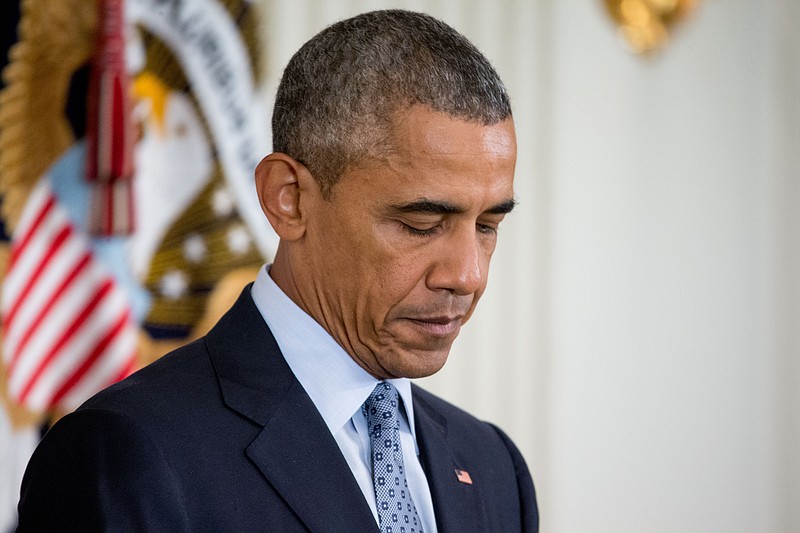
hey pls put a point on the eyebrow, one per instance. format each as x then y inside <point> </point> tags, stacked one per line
<point>503,207</point>
<point>436,207</point>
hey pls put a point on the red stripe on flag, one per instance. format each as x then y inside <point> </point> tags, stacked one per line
<point>21,243</point>
<point>54,297</point>
<point>91,358</point>
<point>119,157</point>
<point>55,245</point>
<point>126,371</point>
<point>102,291</point>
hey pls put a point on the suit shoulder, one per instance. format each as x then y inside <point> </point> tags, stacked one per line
<point>89,469</point>
<point>460,423</point>
<point>177,379</point>
<point>452,413</point>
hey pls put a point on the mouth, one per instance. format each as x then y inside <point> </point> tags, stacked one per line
<point>439,326</point>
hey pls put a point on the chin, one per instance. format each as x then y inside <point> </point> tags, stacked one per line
<point>420,366</point>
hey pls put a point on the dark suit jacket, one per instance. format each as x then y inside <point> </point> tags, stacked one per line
<point>220,436</point>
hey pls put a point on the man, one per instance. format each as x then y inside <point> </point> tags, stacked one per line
<point>393,167</point>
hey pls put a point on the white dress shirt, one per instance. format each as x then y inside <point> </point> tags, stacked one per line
<point>339,387</point>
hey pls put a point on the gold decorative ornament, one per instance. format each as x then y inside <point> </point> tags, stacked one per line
<point>646,24</point>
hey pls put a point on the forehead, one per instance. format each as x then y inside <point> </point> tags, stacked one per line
<point>426,132</point>
<point>435,156</point>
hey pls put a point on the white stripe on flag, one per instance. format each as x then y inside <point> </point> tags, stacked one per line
<point>72,355</point>
<point>43,290</point>
<point>37,247</point>
<point>39,196</point>
<point>52,328</point>
<point>118,356</point>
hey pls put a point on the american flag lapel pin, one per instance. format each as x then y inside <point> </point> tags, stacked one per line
<point>463,477</point>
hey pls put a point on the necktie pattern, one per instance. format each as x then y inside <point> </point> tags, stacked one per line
<point>396,510</point>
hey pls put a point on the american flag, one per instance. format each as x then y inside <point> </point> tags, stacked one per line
<point>68,330</point>
<point>464,477</point>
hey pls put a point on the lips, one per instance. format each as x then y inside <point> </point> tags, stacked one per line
<point>441,326</point>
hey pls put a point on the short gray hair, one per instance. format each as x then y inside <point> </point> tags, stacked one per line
<point>339,93</point>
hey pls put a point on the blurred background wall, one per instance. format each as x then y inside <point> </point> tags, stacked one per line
<point>640,335</point>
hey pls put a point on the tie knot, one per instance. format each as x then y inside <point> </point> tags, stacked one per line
<point>381,408</point>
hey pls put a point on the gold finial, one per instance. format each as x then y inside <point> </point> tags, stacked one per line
<point>645,24</point>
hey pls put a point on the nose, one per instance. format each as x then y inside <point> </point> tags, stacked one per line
<point>460,266</point>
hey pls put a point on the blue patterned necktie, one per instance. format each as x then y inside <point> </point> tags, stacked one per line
<point>396,510</point>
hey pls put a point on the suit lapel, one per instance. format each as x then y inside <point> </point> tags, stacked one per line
<point>294,450</point>
<point>458,506</point>
<point>300,457</point>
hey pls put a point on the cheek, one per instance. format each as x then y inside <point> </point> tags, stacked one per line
<point>398,274</point>
<point>397,278</point>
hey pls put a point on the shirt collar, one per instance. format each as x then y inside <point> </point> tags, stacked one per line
<point>334,382</point>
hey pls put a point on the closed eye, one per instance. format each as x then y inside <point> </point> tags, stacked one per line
<point>486,230</point>
<point>423,232</point>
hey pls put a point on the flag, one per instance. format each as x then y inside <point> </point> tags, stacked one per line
<point>68,329</point>
<point>82,308</point>
<point>463,476</point>
<point>110,137</point>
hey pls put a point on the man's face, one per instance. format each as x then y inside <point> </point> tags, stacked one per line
<point>397,258</point>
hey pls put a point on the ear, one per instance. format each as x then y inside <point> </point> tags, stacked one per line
<point>280,182</point>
